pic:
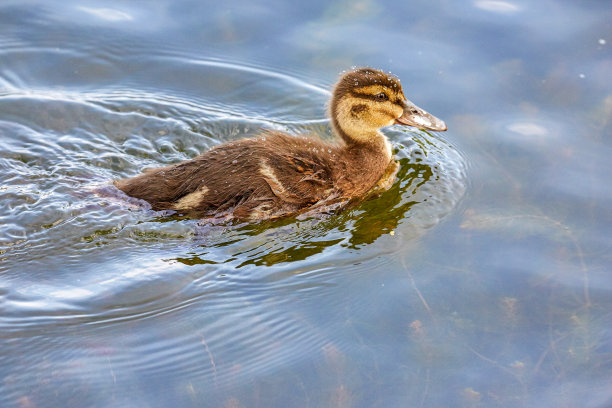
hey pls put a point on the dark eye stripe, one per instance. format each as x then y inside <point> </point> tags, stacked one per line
<point>371,97</point>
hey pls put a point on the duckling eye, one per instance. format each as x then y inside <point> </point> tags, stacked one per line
<point>382,97</point>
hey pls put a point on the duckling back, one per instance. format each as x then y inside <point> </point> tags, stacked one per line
<point>265,177</point>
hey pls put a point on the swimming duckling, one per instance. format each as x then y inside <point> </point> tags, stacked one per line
<point>276,174</point>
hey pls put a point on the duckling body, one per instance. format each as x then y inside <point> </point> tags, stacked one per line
<point>276,174</point>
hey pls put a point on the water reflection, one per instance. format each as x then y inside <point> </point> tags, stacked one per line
<point>425,164</point>
<point>358,226</point>
<point>107,14</point>
<point>497,6</point>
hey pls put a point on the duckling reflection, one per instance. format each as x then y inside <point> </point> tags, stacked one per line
<point>276,175</point>
<point>364,225</point>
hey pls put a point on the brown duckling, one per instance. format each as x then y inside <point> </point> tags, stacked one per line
<point>276,174</point>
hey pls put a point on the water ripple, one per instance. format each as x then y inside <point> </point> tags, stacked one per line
<point>234,299</point>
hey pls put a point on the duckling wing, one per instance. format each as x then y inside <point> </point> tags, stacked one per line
<point>160,185</point>
<point>277,172</point>
<point>298,170</point>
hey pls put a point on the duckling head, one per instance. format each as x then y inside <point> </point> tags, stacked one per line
<point>366,99</point>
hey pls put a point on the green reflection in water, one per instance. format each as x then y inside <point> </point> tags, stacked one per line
<point>288,240</point>
<point>383,214</point>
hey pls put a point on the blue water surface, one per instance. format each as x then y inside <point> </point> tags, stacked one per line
<point>480,279</point>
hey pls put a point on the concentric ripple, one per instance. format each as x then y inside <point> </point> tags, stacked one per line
<point>74,260</point>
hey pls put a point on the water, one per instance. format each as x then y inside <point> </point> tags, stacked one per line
<point>479,279</point>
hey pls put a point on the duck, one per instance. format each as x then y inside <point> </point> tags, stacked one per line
<point>277,175</point>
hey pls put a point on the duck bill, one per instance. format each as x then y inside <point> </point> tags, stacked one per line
<point>417,117</point>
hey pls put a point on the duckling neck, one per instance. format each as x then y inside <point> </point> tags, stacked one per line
<point>367,156</point>
<point>372,142</point>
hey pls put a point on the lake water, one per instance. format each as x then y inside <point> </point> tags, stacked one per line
<point>480,279</point>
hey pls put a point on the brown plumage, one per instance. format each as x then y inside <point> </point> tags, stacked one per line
<point>275,174</point>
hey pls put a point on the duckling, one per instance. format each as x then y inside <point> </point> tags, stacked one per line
<point>276,175</point>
